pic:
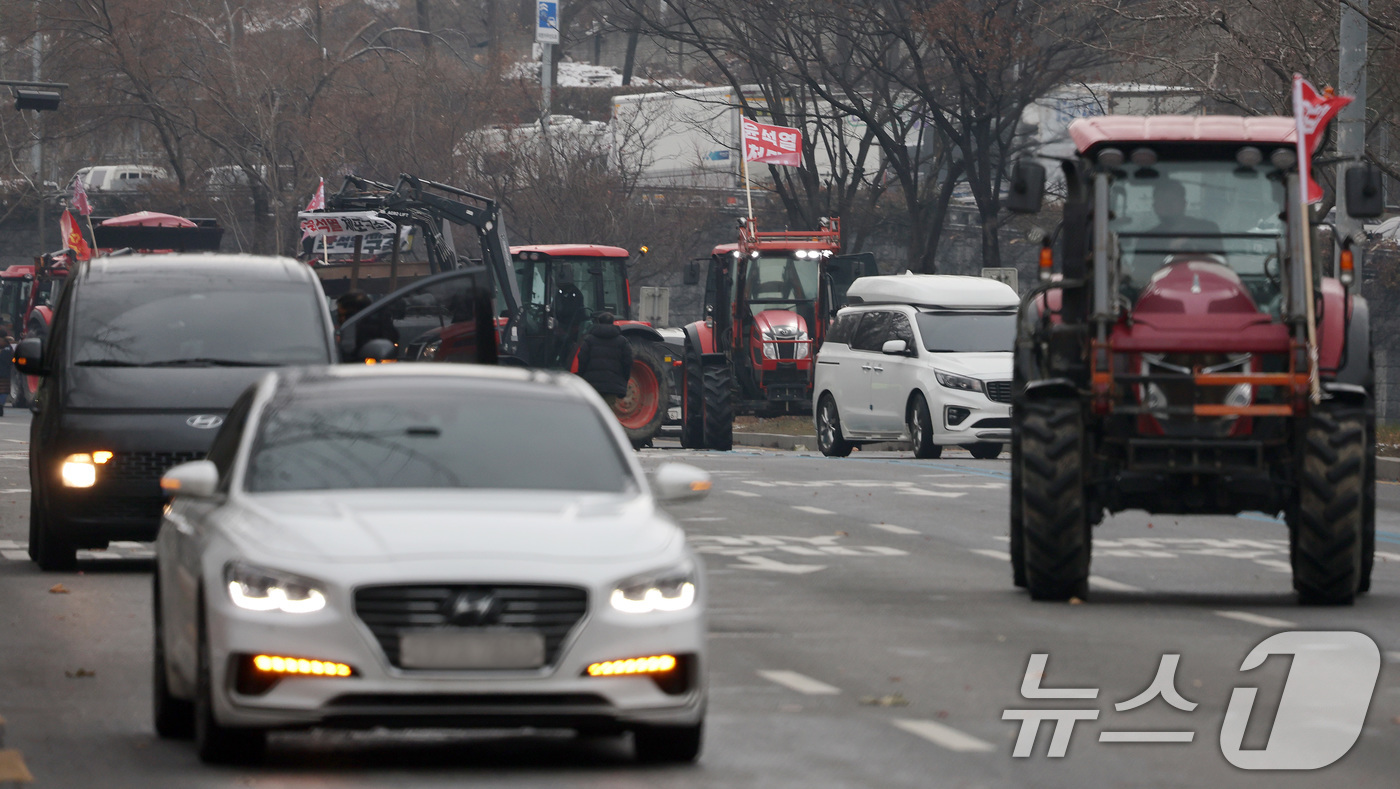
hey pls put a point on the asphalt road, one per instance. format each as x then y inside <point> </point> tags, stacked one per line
<point>865,633</point>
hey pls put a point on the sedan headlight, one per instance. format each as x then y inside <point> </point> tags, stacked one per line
<point>258,589</point>
<point>960,382</point>
<point>669,590</point>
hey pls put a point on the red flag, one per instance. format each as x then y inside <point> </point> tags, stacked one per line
<point>318,203</point>
<point>1311,113</point>
<point>80,197</point>
<point>73,236</point>
<point>771,144</point>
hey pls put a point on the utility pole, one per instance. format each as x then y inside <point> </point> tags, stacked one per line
<point>1351,132</point>
<point>37,153</point>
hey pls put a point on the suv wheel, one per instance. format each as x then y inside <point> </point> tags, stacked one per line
<point>829,438</point>
<point>920,425</point>
<point>985,450</point>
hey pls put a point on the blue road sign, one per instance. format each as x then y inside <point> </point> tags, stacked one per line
<point>547,27</point>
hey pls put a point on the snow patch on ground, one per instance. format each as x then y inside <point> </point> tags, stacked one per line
<point>587,75</point>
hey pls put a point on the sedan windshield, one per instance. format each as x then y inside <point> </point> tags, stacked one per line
<point>967,332</point>
<point>151,323</point>
<point>448,437</point>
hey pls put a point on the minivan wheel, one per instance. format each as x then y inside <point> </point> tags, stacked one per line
<point>829,438</point>
<point>48,550</point>
<point>921,429</point>
<point>985,450</point>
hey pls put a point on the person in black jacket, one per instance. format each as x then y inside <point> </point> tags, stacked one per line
<point>605,359</point>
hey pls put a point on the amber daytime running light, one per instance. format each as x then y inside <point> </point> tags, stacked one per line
<point>301,666</point>
<point>658,664</point>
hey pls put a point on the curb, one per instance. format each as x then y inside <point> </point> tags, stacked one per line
<point>1388,469</point>
<point>12,769</point>
<point>808,443</point>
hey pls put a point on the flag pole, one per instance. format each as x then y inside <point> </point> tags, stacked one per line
<point>1304,165</point>
<point>748,188</point>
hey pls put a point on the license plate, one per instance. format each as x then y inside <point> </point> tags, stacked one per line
<point>486,649</point>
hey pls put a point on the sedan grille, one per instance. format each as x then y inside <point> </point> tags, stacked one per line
<point>999,391</point>
<point>552,611</point>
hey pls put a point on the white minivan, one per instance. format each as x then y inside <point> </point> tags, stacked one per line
<point>924,358</point>
<point>121,177</point>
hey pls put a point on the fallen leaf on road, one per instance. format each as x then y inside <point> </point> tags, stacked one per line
<point>942,713</point>
<point>82,672</point>
<point>890,700</point>
<point>1075,601</point>
<point>842,534</point>
<point>1396,720</point>
<point>58,589</point>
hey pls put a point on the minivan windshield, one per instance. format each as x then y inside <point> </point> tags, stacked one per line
<point>967,332</point>
<point>186,322</point>
<point>434,436</point>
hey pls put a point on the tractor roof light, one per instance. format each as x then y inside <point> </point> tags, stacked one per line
<point>1249,156</point>
<point>1110,158</point>
<point>1283,158</point>
<point>1143,157</point>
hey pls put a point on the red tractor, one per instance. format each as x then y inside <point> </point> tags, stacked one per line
<point>768,300</point>
<point>1190,356</point>
<point>562,288</point>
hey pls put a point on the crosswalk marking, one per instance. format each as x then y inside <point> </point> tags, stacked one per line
<point>1255,619</point>
<point>800,683</point>
<point>17,551</point>
<point>746,494</point>
<point>988,552</point>
<point>813,510</point>
<point>1110,585</point>
<point>944,736</point>
<point>893,529</point>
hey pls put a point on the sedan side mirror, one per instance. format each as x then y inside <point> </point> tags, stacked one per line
<point>680,482</point>
<point>29,356</point>
<point>198,478</point>
<point>378,351</point>
<point>1027,188</point>
<point>895,347</point>
<point>1365,195</point>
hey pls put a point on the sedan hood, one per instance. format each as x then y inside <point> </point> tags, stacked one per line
<point>195,389</point>
<point>429,524</point>
<point>992,366</point>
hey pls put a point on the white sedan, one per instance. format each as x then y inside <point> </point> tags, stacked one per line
<point>426,546</point>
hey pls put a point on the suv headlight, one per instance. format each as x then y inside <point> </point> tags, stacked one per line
<point>960,382</point>
<point>668,590</point>
<point>259,589</point>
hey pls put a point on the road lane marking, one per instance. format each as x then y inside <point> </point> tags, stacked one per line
<point>15,490</point>
<point>1110,585</point>
<point>893,529</point>
<point>746,494</point>
<point>8,544</point>
<point>1277,565</point>
<point>1256,619</point>
<point>18,556</point>
<point>813,510</point>
<point>1146,736</point>
<point>1002,555</point>
<point>944,736</point>
<point>1389,557</point>
<point>800,683</point>
<point>775,566</point>
<point>1393,657</point>
<point>703,520</point>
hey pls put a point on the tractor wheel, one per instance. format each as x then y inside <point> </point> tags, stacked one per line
<point>1368,508</point>
<point>1018,532</point>
<point>829,438</point>
<point>643,409</point>
<point>1053,513</point>
<point>1327,538</point>
<point>692,401</point>
<point>718,381</point>
<point>920,425</point>
<point>985,450</point>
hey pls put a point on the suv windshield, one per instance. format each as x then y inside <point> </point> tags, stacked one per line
<point>967,332</point>
<point>1212,210</point>
<point>197,322</point>
<point>416,436</point>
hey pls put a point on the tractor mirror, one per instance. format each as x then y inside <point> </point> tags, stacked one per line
<point>1027,187</point>
<point>692,273</point>
<point>1365,194</point>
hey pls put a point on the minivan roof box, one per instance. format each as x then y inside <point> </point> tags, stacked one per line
<point>944,291</point>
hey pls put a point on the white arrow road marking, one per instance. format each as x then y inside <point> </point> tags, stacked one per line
<point>813,510</point>
<point>773,565</point>
<point>1255,619</point>
<point>893,529</point>
<point>800,683</point>
<point>944,736</point>
<point>1110,585</point>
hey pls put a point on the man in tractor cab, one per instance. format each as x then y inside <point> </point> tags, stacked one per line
<point>1169,203</point>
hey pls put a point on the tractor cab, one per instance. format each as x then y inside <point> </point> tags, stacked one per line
<point>15,284</point>
<point>562,288</point>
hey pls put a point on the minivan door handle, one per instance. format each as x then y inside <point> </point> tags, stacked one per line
<point>878,369</point>
<point>866,367</point>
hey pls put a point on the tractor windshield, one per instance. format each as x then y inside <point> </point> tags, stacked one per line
<point>781,283</point>
<point>1200,210</point>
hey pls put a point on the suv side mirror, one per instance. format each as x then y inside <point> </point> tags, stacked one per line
<point>692,273</point>
<point>895,347</point>
<point>1027,187</point>
<point>29,356</point>
<point>1365,193</point>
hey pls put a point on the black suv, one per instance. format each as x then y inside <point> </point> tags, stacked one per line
<point>145,356</point>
